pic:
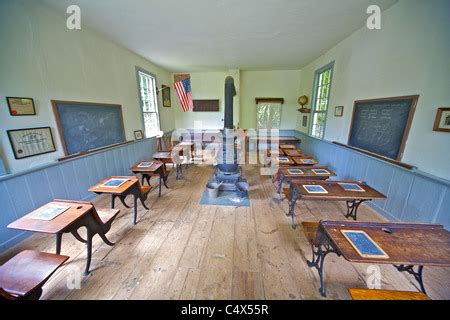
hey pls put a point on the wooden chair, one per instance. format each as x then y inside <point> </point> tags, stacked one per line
<point>164,144</point>
<point>367,294</point>
<point>22,277</point>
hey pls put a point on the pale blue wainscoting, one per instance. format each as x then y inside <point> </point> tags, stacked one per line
<point>70,179</point>
<point>412,195</point>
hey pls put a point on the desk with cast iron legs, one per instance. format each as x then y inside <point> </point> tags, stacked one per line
<point>156,169</point>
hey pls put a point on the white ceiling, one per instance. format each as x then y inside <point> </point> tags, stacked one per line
<point>203,35</point>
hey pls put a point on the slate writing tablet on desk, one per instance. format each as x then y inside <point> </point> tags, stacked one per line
<point>50,212</point>
<point>145,164</point>
<point>283,159</point>
<point>320,171</point>
<point>307,161</point>
<point>314,189</point>
<point>114,183</point>
<point>364,244</point>
<point>351,187</point>
<point>295,171</point>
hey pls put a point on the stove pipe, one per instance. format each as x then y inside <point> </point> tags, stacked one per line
<point>230,92</point>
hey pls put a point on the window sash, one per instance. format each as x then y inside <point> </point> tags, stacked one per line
<point>321,94</point>
<point>149,103</point>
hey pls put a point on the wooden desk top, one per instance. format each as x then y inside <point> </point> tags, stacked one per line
<point>132,180</point>
<point>293,152</point>
<point>152,169</point>
<point>28,271</point>
<point>307,172</point>
<point>336,192</point>
<point>56,225</point>
<point>288,146</point>
<point>162,155</point>
<point>299,160</point>
<point>367,294</point>
<point>407,244</point>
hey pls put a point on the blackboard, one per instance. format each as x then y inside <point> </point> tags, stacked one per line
<point>84,126</point>
<point>381,126</point>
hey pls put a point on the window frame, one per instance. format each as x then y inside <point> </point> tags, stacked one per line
<point>141,102</point>
<point>317,73</point>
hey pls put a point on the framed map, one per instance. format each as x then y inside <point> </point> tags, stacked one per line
<point>31,142</point>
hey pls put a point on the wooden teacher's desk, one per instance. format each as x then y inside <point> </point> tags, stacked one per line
<point>130,187</point>
<point>156,168</point>
<point>334,192</point>
<point>79,214</point>
<point>406,245</point>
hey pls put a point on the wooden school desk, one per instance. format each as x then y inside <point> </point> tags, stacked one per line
<point>300,161</point>
<point>166,157</point>
<point>130,187</point>
<point>284,175</point>
<point>335,192</point>
<point>79,214</point>
<point>292,152</point>
<point>156,169</point>
<point>407,246</point>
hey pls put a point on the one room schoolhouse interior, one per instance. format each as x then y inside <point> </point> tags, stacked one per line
<point>224,150</point>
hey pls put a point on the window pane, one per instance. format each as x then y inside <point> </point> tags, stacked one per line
<point>320,105</point>
<point>151,124</point>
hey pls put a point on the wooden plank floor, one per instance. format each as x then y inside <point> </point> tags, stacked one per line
<point>182,250</point>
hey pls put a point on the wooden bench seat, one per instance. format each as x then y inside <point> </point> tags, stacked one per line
<point>23,276</point>
<point>310,229</point>
<point>107,215</point>
<point>367,294</point>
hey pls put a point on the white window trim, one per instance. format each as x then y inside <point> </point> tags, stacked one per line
<point>329,66</point>
<point>141,102</point>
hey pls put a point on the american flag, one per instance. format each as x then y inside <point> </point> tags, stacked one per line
<point>183,89</point>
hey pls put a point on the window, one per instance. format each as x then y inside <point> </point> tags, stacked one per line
<point>321,97</point>
<point>149,102</point>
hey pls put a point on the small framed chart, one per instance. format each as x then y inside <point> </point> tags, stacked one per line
<point>320,171</point>
<point>114,183</point>
<point>364,244</point>
<point>313,188</point>
<point>295,171</point>
<point>351,187</point>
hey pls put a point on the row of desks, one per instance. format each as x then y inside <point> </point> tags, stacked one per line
<point>83,214</point>
<point>409,247</point>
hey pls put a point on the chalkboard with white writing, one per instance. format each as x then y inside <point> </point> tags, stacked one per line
<point>85,126</point>
<point>381,126</point>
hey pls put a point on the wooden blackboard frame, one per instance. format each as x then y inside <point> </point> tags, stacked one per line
<point>412,110</point>
<point>58,120</point>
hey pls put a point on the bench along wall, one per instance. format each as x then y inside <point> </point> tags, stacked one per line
<point>412,196</point>
<point>70,179</point>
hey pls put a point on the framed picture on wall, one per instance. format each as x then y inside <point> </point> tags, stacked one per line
<point>442,122</point>
<point>21,106</point>
<point>166,96</point>
<point>339,111</point>
<point>305,121</point>
<point>138,135</point>
<point>31,142</point>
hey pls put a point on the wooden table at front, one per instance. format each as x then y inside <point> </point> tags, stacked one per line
<point>78,215</point>
<point>308,173</point>
<point>407,246</point>
<point>130,187</point>
<point>157,168</point>
<point>335,192</point>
